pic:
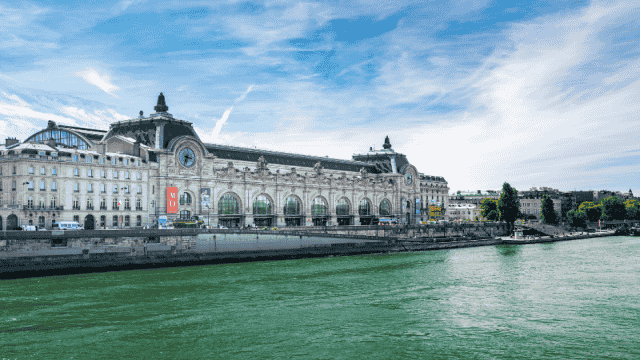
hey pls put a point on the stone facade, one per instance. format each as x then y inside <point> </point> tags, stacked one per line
<point>127,173</point>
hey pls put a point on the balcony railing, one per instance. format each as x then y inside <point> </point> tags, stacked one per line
<point>76,208</point>
<point>89,207</point>
<point>103,208</point>
<point>38,207</point>
<point>138,209</point>
<point>115,208</point>
<point>127,208</point>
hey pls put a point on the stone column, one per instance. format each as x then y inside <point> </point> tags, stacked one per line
<point>159,135</point>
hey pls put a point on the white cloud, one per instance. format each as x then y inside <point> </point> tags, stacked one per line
<point>102,81</point>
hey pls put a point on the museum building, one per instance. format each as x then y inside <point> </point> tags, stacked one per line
<point>147,169</point>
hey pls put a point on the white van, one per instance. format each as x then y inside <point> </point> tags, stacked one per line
<point>67,225</point>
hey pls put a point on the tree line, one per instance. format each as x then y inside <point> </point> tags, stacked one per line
<point>507,209</point>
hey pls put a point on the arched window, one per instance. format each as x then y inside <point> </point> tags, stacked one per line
<point>228,205</point>
<point>185,199</point>
<point>319,207</point>
<point>292,206</point>
<point>185,214</point>
<point>342,207</point>
<point>262,206</point>
<point>61,137</point>
<point>385,208</point>
<point>364,208</point>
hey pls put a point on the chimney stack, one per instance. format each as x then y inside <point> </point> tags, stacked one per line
<point>11,141</point>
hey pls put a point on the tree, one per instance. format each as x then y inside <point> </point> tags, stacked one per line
<point>508,205</point>
<point>487,206</point>
<point>493,215</point>
<point>547,213</point>
<point>613,209</point>
<point>577,218</point>
<point>633,209</point>
<point>592,210</point>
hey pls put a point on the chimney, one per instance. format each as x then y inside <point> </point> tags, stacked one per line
<point>11,141</point>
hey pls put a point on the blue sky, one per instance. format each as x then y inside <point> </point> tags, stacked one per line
<point>536,93</point>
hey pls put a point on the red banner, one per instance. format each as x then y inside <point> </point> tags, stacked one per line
<point>172,200</point>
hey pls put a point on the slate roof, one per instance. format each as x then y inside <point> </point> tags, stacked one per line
<point>295,160</point>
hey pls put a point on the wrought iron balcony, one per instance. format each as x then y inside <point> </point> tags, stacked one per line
<point>38,207</point>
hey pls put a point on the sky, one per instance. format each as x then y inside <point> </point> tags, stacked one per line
<point>534,93</point>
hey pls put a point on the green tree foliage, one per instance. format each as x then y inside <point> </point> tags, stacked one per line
<point>613,209</point>
<point>633,209</point>
<point>493,215</point>
<point>508,205</point>
<point>547,213</point>
<point>592,210</point>
<point>487,206</point>
<point>577,218</point>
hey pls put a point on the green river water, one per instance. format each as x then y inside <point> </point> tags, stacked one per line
<point>567,300</point>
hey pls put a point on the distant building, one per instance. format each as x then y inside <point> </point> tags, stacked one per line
<point>463,212</point>
<point>474,197</point>
<point>532,207</point>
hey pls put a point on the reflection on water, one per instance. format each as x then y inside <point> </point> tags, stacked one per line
<point>567,300</point>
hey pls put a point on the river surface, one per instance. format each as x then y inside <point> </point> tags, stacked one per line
<point>567,300</point>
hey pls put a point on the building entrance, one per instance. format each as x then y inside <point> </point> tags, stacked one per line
<point>319,221</point>
<point>368,220</point>
<point>12,222</point>
<point>230,222</point>
<point>89,222</point>
<point>292,221</point>
<point>263,221</point>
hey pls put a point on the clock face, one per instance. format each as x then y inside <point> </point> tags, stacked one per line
<point>187,157</point>
<point>409,179</point>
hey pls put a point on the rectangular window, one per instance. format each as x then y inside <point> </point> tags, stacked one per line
<point>103,204</point>
<point>126,189</point>
<point>54,171</point>
<point>30,170</point>
<point>30,185</point>
<point>114,204</point>
<point>54,187</point>
<point>115,189</point>
<point>126,162</point>
<point>103,188</point>
<point>103,174</point>
<point>42,187</point>
<point>76,187</point>
<point>89,188</point>
<point>137,162</point>
<point>76,172</point>
<point>114,162</point>
<point>115,174</point>
<point>76,218</point>
<point>153,189</point>
<point>126,175</point>
<point>139,189</point>
<point>101,160</point>
<point>89,159</point>
<point>42,171</point>
<point>139,176</point>
<point>89,173</point>
<point>75,158</point>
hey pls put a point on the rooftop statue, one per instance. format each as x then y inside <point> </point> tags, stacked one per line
<point>162,106</point>
<point>386,145</point>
